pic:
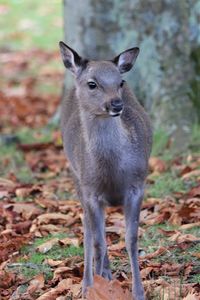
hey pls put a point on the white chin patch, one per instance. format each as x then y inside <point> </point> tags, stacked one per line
<point>114,114</point>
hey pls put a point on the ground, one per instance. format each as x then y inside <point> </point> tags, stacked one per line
<point>41,233</point>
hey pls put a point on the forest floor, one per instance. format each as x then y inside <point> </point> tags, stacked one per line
<point>41,233</point>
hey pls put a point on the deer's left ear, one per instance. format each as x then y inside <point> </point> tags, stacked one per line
<point>126,59</point>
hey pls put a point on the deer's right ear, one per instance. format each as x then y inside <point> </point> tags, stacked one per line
<point>71,59</point>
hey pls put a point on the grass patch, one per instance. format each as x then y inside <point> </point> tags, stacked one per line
<point>166,184</point>
<point>33,261</point>
<point>195,140</point>
<point>40,135</point>
<point>160,140</point>
<point>31,24</point>
<point>12,161</point>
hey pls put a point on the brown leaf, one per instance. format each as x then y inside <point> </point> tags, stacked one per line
<point>37,283</point>
<point>175,219</point>
<point>195,191</point>
<point>182,238</point>
<point>53,263</point>
<point>167,232</point>
<point>6,183</point>
<point>144,273</point>
<point>6,279</point>
<point>27,210</point>
<point>35,146</point>
<point>157,165</point>
<point>190,225</point>
<point>119,246</point>
<point>194,173</point>
<point>22,227</point>
<point>45,247</point>
<point>53,217</point>
<point>52,294</point>
<point>105,290</point>
<point>196,254</point>
<point>191,296</point>
<point>159,251</point>
<point>69,241</point>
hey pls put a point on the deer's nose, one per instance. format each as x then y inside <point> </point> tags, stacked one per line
<point>116,105</point>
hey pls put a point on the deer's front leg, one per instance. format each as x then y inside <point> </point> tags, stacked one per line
<point>88,253</point>
<point>94,238</point>
<point>132,212</point>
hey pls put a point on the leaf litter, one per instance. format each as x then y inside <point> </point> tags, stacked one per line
<point>47,207</point>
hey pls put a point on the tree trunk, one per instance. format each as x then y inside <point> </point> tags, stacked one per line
<point>166,32</point>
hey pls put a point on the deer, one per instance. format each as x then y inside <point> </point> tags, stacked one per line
<point>107,138</point>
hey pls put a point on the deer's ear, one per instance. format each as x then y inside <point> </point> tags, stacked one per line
<point>71,59</point>
<point>126,59</point>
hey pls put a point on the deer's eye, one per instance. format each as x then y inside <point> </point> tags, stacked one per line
<point>92,85</point>
<point>122,83</point>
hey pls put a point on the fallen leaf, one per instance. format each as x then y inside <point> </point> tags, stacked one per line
<point>105,290</point>
<point>53,263</point>
<point>27,210</point>
<point>53,217</point>
<point>119,246</point>
<point>167,232</point>
<point>157,165</point>
<point>69,241</point>
<point>194,173</point>
<point>53,293</point>
<point>159,251</point>
<point>195,191</point>
<point>37,283</point>
<point>196,254</point>
<point>191,297</point>
<point>182,238</point>
<point>190,225</point>
<point>45,247</point>
<point>144,273</point>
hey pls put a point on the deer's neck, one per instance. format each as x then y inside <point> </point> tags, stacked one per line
<point>102,135</point>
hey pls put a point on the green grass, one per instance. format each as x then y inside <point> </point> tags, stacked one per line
<point>31,24</point>
<point>12,161</point>
<point>160,140</point>
<point>166,184</point>
<point>195,140</point>
<point>33,261</point>
<point>27,135</point>
<point>152,239</point>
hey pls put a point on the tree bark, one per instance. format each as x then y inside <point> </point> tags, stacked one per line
<point>166,32</point>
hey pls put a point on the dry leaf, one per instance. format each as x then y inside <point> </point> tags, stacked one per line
<point>53,263</point>
<point>27,210</point>
<point>191,297</point>
<point>119,246</point>
<point>191,174</point>
<point>159,251</point>
<point>157,165</point>
<point>182,238</point>
<point>190,225</point>
<point>36,283</point>
<point>55,217</point>
<point>69,241</point>
<point>53,293</point>
<point>105,290</point>
<point>45,247</point>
